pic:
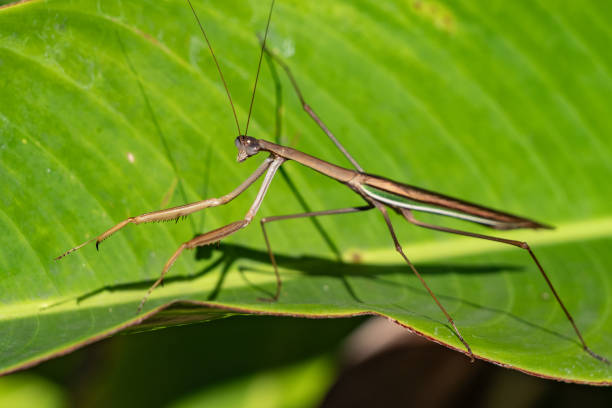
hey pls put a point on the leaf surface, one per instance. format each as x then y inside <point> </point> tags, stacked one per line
<point>113,109</point>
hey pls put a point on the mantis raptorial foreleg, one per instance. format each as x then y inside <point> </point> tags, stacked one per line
<point>201,240</point>
<point>216,235</point>
<point>266,220</point>
<point>519,244</point>
<point>180,211</point>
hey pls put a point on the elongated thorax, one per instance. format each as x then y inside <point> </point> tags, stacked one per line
<point>329,169</point>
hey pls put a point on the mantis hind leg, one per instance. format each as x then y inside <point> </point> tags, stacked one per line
<point>399,249</point>
<point>407,214</point>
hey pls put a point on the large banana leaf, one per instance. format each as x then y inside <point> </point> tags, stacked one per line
<point>111,109</point>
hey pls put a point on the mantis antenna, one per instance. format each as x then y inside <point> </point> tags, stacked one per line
<point>217,64</point>
<point>263,47</point>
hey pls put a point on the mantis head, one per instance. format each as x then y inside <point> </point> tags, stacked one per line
<point>247,146</point>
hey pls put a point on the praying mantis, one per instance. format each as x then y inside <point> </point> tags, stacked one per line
<point>379,194</point>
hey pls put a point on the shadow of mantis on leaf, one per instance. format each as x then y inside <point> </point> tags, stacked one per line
<point>227,258</point>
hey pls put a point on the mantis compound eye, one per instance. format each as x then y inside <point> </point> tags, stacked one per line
<point>247,147</point>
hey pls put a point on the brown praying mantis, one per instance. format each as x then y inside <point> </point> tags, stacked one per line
<point>379,193</point>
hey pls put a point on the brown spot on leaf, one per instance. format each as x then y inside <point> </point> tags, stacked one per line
<point>437,14</point>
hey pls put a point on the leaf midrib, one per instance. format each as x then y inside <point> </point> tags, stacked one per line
<point>419,252</point>
<point>572,231</point>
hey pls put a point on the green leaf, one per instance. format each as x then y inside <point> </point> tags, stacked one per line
<point>112,109</point>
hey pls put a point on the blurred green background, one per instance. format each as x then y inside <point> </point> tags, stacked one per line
<point>271,362</point>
